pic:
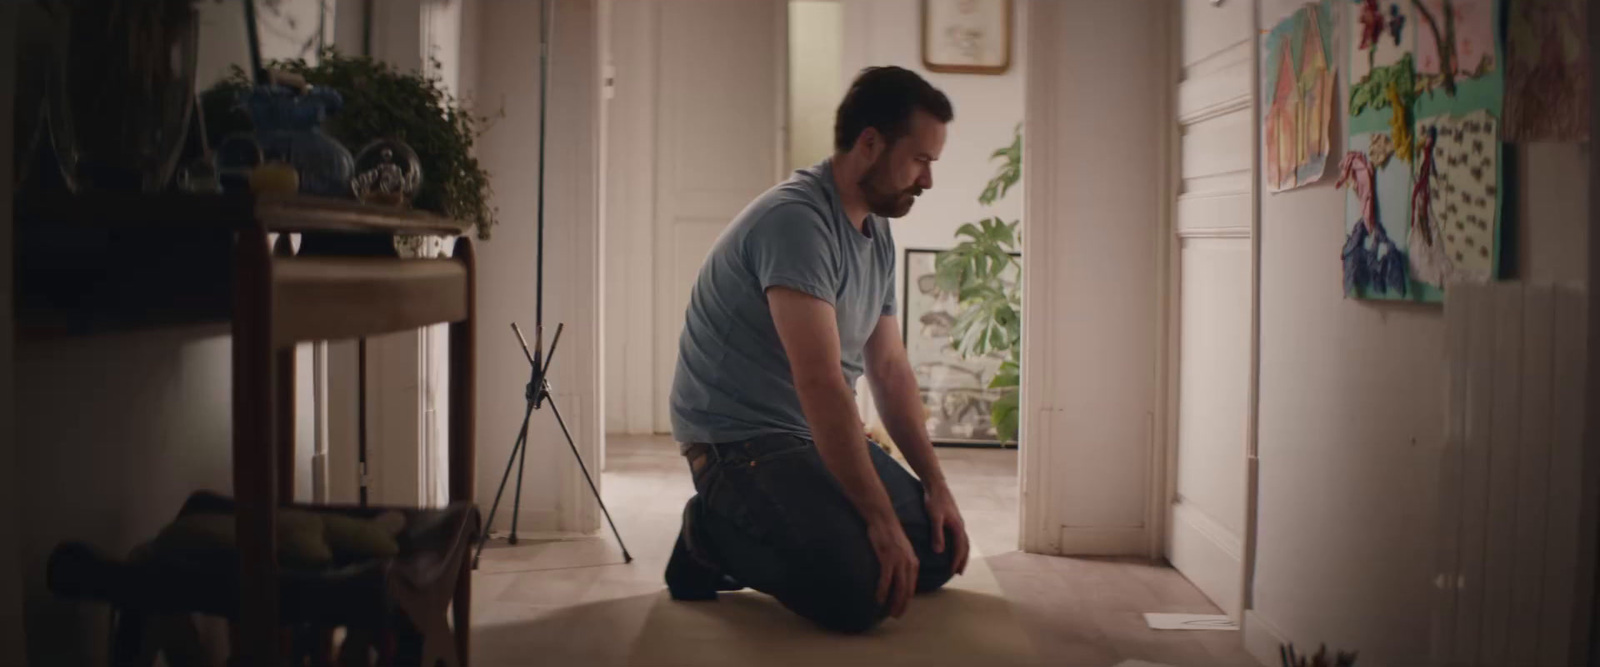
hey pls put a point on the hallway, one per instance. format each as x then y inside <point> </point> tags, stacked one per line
<point>571,602</point>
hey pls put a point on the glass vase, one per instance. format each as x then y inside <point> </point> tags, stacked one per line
<point>289,130</point>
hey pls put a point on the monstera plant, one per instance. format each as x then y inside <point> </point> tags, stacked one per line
<point>983,274</point>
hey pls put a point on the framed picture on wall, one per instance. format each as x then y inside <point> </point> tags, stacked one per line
<point>966,36</point>
<point>954,390</point>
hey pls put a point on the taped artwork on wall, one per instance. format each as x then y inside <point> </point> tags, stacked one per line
<point>1298,79</point>
<point>1547,71</point>
<point>1424,165</point>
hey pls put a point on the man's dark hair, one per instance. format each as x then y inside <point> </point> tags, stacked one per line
<point>884,98</point>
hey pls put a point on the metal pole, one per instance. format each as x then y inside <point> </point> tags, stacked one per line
<point>545,20</point>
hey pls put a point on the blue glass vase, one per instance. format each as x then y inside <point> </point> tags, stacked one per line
<point>289,129</point>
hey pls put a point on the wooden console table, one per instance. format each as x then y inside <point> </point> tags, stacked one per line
<point>117,262</point>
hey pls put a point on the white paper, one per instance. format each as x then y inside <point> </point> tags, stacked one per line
<point>1190,622</point>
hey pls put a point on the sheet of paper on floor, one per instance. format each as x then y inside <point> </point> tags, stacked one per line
<point>1190,622</point>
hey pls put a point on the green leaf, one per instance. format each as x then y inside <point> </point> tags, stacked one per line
<point>949,276</point>
<point>997,338</point>
<point>1005,379</point>
<point>1003,414</point>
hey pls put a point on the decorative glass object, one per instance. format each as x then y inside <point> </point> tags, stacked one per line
<point>200,176</point>
<point>388,173</point>
<point>289,130</point>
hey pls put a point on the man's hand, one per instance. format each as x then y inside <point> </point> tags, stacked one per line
<point>897,577</point>
<point>942,513</point>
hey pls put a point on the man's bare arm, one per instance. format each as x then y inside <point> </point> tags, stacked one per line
<point>809,330</point>
<point>899,400</point>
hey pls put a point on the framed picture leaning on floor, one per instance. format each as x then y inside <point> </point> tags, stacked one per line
<point>954,390</point>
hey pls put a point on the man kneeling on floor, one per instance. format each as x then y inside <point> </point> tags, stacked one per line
<point>794,302</point>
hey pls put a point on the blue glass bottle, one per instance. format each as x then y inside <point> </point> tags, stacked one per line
<point>289,129</point>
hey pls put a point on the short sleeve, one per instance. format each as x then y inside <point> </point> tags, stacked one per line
<point>791,247</point>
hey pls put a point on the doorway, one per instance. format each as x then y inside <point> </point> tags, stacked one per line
<point>711,102</point>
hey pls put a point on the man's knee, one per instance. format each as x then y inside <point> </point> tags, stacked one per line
<point>837,597</point>
<point>851,613</point>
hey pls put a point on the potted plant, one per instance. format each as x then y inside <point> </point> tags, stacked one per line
<point>977,271</point>
<point>381,102</point>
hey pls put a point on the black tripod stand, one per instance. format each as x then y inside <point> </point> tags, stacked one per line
<point>537,392</point>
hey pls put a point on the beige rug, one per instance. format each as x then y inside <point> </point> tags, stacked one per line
<point>969,622</point>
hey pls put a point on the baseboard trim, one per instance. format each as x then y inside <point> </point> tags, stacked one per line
<point>319,478</point>
<point>1108,541</point>
<point>1261,638</point>
<point>1208,555</point>
<point>530,522</point>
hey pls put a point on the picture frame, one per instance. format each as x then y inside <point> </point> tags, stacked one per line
<point>966,36</point>
<point>954,390</point>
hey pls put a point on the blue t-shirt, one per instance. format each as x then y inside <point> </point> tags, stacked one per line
<point>733,380</point>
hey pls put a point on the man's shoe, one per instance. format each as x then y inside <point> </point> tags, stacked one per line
<point>689,580</point>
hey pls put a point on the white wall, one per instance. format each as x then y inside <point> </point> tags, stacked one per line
<point>1096,106</point>
<point>816,34</point>
<point>114,432</point>
<point>554,497</point>
<point>1352,414</point>
<point>223,42</point>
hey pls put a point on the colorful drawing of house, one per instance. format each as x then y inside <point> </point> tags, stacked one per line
<point>1301,102</point>
<point>1316,89</point>
<point>1283,123</point>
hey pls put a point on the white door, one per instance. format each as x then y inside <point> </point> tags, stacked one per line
<point>1212,306</point>
<point>719,138</point>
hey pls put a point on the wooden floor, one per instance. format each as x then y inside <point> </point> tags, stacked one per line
<point>574,602</point>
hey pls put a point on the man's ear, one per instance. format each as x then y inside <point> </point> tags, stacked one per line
<point>871,141</point>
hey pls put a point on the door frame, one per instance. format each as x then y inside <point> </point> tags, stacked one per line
<point>1253,399</point>
<point>1042,529</point>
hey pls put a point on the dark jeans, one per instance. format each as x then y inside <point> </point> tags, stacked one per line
<point>770,515</point>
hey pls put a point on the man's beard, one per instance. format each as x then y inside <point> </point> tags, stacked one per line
<point>882,199</point>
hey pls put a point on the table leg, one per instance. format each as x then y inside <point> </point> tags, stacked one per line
<point>285,410</point>
<point>254,462</point>
<point>463,457</point>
